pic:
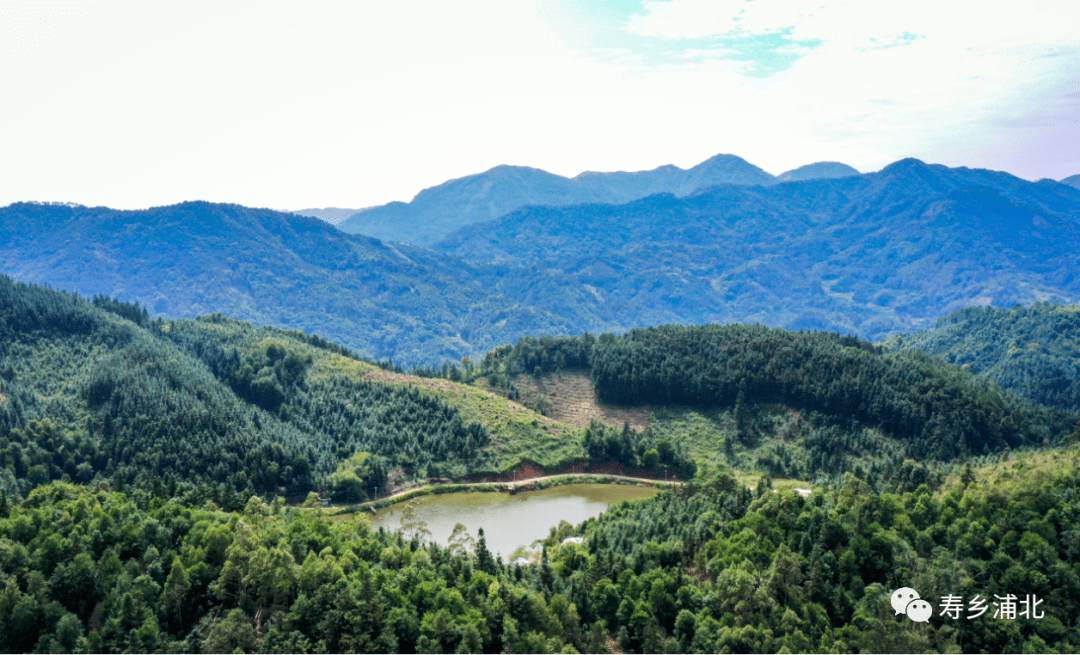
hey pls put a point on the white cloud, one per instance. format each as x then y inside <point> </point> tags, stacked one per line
<point>351,104</point>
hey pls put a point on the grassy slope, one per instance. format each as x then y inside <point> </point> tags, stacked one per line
<point>701,431</point>
<point>517,432</point>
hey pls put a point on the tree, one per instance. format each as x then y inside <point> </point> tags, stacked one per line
<point>484,560</point>
<point>233,632</point>
<point>460,540</point>
<point>175,595</point>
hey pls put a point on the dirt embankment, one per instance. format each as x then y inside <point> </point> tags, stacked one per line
<point>529,470</point>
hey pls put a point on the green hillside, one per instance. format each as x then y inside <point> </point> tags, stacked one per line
<point>1032,351</point>
<point>711,567</point>
<point>216,408</point>
<point>789,404</point>
<point>134,451</point>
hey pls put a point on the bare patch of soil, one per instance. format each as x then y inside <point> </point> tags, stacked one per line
<point>573,400</point>
<point>522,471</point>
<point>396,480</point>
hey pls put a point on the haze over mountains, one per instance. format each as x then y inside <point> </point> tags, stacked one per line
<point>332,215</point>
<point>272,268</point>
<point>871,255</point>
<point>437,211</point>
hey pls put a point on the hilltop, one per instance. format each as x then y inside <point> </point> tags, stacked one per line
<point>439,210</point>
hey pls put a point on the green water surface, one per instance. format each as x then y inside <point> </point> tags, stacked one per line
<point>508,520</point>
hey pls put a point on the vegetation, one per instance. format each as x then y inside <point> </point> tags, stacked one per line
<point>215,409</point>
<point>844,396</point>
<point>134,451</point>
<point>710,567</point>
<point>1032,351</point>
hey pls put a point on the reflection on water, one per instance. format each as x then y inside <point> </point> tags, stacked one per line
<point>511,521</point>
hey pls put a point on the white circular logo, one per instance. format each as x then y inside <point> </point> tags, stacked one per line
<point>901,597</point>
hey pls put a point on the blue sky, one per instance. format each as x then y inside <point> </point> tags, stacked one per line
<point>350,104</point>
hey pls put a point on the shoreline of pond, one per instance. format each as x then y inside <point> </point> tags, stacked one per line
<point>532,484</point>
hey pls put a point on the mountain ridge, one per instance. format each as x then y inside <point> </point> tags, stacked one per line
<point>871,255</point>
<point>198,257</point>
<point>438,210</point>
<point>864,255</point>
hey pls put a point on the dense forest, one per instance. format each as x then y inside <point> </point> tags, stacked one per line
<point>1033,351</point>
<point>936,410</point>
<point>710,567</point>
<point>212,408</point>
<point>145,466</point>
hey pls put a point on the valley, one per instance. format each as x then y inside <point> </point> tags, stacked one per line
<point>229,428</point>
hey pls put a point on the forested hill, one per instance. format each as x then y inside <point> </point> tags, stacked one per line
<point>869,255</point>
<point>133,453</point>
<point>439,210</point>
<point>217,409</point>
<point>275,268</point>
<point>711,568</point>
<point>936,410</point>
<point>1033,351</point>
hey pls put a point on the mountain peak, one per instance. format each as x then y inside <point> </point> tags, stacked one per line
<point>818,171</point>
<point>1072,180</point>
<point>906,163</point>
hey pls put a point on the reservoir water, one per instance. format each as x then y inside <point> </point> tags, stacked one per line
<point>508,520</point>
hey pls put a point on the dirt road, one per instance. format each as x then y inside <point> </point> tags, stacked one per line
<point>517,483</point>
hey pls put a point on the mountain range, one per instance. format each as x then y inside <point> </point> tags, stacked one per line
<point>870,255</point>
<point>437,211</point>
<point>272,268</point>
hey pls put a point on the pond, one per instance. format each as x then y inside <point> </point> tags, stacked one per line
<point>508,520</point>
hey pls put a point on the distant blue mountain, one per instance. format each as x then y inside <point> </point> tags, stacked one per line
<point>332,215</point>
<point>440,210</point>
<point>871,254</point>
<point>277,268</point>
<point>1073,181</point>
<point>822,170</point>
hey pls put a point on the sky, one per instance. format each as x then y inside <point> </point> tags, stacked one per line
<point>347,103</point>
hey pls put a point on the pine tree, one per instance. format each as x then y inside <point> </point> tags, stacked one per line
<point>484,560</point>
